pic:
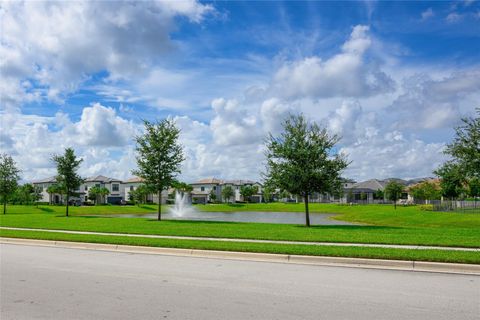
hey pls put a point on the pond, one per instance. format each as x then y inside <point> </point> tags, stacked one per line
<point>245,216</point>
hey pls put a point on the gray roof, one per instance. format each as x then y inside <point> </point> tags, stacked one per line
<point>102,179</point>
<point>46,180</point>
<point>372,184</point>
<point>240,182</point>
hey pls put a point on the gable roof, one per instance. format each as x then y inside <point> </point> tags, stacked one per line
<point>102,179</point>
<point>134,180</point>
<point>46,180</point>
<point>208,181</point>
<point>372,184</point>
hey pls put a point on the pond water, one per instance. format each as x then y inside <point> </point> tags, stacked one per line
<point>246,216</point>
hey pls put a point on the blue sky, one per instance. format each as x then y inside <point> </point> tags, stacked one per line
<point>392,78</point>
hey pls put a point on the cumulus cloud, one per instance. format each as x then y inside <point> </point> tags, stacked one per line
<point>57,45</point>
<point>427,14</point>
<point>346,74</point>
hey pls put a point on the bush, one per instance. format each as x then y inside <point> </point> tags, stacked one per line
<point>426,207</point>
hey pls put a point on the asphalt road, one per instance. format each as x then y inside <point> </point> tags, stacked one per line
<point>57,283</point>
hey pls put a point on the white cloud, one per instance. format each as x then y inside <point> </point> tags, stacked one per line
<point>58,45</point>
<point>346,74</point>
<point>427,14</point>
<point>454,17</point>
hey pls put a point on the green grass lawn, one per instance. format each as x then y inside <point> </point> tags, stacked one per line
<point>406,225</point>
<point>356,252</point>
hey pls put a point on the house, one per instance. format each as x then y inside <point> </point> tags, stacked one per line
<point>364,191</point>
<point>114,186</point>
<point>133,183</point>
<point>204,188</point>
<point>43,185</point>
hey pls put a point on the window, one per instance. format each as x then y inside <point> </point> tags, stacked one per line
<point>202,188</point>
<point>115,187</point>
<point>86,188</point>
<point>97,185</point>
<point>214,187</point>
<point>131,188</point>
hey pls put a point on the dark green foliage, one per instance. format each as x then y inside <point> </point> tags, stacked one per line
<point>303,160</point>
<point>9,176</point>
<point>67,178</point>
<point>97,194</point>
<point>426,191</point>
<point>452,180</point>
<point>247,192</point>
<point>159,156</point>
<point>393,191</point>
<point>227,193</point>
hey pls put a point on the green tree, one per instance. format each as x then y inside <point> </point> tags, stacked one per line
<point>474,187</point>
<point>97,193</point>
<point>268,193</point>
<point>213,195</point>
<point>379,194</point>
<point>465,147</point>
<point>37,195</point>
<point>55,189</point>
<point>227,193</point>
<point>67,177</point>
<point>452,180</point>
<point>247,192</point>
<point>182,187</point>
<point>426,190</point>
<point>9,176</point>
<point>393,191</point>
<point>159,156</point>
<point>303,160</point>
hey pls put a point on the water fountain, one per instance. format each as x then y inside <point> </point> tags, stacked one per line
<point>182,207</point>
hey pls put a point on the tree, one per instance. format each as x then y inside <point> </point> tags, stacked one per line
<point>213,195</point>
<point>159,156</point>
<point>268,193</point>
<point>55,189</point>
<point>474,187</point>
<point>426,191</point>
<point>182,187</point>
<point>393,191</point>
<point>452,179</point>
<point>67,177</point>
<point>227,193</point>
<point>9,176</point>
<point>248,191</point>
<point>379,194</point>
<point>303,160</point>
<point>97,193</point>
<point>465,147</point>
<point>37,195</point>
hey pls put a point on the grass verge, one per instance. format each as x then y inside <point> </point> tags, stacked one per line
<point>355,252</point>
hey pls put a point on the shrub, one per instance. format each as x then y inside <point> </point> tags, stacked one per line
<point>426,207</point>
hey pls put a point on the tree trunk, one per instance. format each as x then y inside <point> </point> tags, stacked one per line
<point>307,213</point>
<point>159,205</point>
<point>68,198</point>
<point>395,204</point>
<point>4,206</point>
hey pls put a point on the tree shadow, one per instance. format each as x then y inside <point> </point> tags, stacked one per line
<point>46,209</point>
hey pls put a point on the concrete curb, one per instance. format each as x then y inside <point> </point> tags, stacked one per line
<point>402,265</point>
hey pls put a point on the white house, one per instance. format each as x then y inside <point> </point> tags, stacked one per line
<point>203,189</point>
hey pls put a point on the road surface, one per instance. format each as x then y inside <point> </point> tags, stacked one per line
<point>57,283</point>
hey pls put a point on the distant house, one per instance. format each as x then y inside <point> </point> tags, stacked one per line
<point>203,189</point>
<point>133,183</point>
<point>43,185</point>
<point>364,191</point>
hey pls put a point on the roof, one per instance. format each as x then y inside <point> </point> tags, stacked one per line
<point>46,180</point>
<point>241,182</point>
<point>102,179</point>
<point>134,180</point>
<point>208,181</point>
<point>372,184</point>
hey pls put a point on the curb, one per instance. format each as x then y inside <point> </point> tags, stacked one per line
<point>402,265</point>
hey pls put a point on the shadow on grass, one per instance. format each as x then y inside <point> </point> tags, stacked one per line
<point>348,228</point>
<point>46,209</point>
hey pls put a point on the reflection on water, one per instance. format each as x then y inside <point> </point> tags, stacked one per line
<point>245,216</point>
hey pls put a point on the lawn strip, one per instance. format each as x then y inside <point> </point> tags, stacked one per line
<point>354,252</point>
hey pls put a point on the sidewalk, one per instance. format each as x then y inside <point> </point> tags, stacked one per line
<point>338,244</point>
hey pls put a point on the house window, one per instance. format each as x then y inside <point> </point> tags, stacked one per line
<point>202,188</point>
<point>97,185</point>
<point>115,187</point>
<point>131,188</point>
<point>214,187</point>
<point>86,188</point>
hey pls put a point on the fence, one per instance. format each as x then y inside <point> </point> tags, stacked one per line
<point>462,206</point>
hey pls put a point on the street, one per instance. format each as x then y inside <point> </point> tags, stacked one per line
<point>57,283</point>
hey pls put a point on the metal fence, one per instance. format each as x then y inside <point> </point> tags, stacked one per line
<point>461,206</point>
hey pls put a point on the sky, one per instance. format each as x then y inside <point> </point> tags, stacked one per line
<point>391,78</point>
